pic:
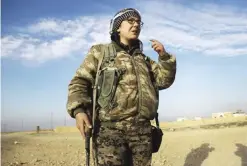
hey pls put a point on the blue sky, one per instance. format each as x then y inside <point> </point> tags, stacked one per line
<point>44,42</point>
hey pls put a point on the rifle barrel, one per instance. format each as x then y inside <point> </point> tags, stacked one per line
<point>87,148</point>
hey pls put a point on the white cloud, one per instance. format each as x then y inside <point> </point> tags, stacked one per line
<point>52,38</point>
<point>205,28</point>
<point>9,45</point>
<point>210,29</point>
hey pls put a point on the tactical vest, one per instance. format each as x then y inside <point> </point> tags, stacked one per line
<point>108,77</point>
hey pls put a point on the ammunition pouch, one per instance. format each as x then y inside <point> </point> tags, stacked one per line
<point>108,79</point>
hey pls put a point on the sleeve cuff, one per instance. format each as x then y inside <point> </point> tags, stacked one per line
<point>78,110</point>
<point>165,56</point>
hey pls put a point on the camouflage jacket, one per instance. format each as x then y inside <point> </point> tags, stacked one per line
<point>134,92</point>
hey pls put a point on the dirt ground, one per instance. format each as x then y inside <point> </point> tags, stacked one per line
<point>211,147</point>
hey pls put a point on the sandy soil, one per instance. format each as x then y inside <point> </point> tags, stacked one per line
<point>212,147</point>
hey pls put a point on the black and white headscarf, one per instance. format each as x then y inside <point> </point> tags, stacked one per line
<point>121,16</point>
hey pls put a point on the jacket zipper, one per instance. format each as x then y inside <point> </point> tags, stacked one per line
<point>138,84</point>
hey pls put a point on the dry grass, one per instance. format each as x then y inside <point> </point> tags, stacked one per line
<point>61,129</point>
<point>188,124</point>
<point>218,147</point>
<point>224,145</point>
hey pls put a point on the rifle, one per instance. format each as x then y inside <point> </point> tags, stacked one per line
<point>93,116</point>
<point>87,146</point>
<point>90,132</point>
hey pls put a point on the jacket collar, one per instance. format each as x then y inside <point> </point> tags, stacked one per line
<point>136,48</point>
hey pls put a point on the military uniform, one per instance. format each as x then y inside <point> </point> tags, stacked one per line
<point>125,106</point>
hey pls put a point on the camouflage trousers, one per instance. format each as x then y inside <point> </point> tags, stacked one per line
<point>123,143</point>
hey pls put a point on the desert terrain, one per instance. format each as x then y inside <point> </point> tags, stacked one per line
<point>183,145</point>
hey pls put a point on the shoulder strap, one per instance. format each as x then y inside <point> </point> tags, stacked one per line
<point>110,52</point>
<point>102,50</point>
<point>157,120</point>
